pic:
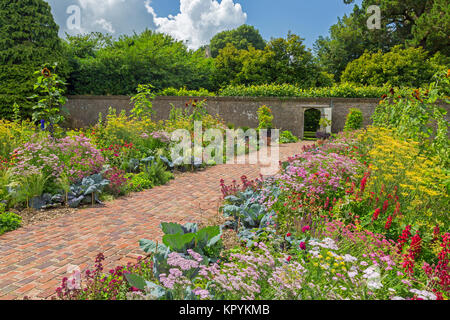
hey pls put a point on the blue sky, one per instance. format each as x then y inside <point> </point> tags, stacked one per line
<point>196,21</point>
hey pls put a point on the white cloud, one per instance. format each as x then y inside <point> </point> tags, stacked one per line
<point>199,20</point>
<point>113,16</point>
<point>106,25</point>
<point>99,6</point>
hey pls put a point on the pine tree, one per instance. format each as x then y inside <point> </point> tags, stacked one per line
<point>28,39</point>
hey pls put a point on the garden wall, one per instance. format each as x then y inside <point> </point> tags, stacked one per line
<point>241,111</point>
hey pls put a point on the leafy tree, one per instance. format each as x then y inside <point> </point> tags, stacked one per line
<point>431,30</point>
<point>28,39</point>
<point>149,57</point>
<point>291,62</point>
<point>241,38</point>
<point>282,61</point>
<point>233,66</point>
<point>423,22</point>
<point>349,39</point>
<point>86,45</point>
<point>400,67</point>
<point>227,65</point>
<point>409,22</point>
<point>256,66</point>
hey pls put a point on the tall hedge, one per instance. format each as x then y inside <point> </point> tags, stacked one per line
<point>119,67</point>
<point>28,39</point>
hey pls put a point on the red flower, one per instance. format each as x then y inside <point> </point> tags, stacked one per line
<point>289,259</point>
<point>363,183</point>
<point>408,263</point>
<point>436,232</point>
<point>376,214</point>
<point>403,238</point>
<point>388,223</point>
<point>302,246</point>
<point>288,234</point>
<point>385,205</point>
<point>416,242</point>
<point>397,208</point>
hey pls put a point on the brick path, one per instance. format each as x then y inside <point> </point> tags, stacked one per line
<point>34,259</point>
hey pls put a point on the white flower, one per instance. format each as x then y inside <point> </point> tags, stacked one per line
<point>423,294</point>
<point>374,284</point>
<point>371,273</point>
<point>397,298</point>
<point>350,258</point>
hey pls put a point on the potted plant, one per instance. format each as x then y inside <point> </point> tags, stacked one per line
<point>265,118</point>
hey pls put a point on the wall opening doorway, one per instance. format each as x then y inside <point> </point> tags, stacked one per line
<point>311,123</point>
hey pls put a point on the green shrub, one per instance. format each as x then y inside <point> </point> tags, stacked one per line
<point>354,120</point>
<point>287,137</point>
<point>183,92</point>
<point>418,117</point>
<point>343,90</point>
<point>9,221</point>
<point>5,180</point>
<point>157,174</point>
<point>139,182</point>
<point>399,67</point>
<point>265,117</point>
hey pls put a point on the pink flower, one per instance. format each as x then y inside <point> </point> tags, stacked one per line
<point>306,228</point>
<point>302,246</point>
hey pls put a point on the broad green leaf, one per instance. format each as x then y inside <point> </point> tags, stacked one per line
<point>171,228</point>
<point>149,246</point>
<point>136,281</point>
<point>179,242</point>
<point>204,236</point>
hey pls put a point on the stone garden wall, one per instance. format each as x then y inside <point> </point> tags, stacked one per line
<point>241,111</point>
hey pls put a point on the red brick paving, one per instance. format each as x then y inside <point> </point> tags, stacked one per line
<point>34,259</point>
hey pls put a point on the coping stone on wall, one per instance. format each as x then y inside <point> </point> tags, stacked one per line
<point>288,112</point>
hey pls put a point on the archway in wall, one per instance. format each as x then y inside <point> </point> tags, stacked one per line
<point>311,124</point>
